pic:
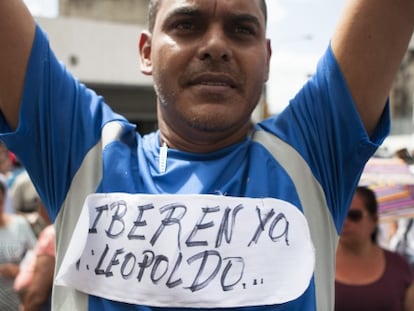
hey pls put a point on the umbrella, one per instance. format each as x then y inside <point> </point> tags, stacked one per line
<point>393,183</point>
<point>387,171</point>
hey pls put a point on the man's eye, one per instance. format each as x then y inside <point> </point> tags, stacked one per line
<point>186,25</point>
<point>246,30</point>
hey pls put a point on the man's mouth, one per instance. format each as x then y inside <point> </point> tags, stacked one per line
<point>218,80</point>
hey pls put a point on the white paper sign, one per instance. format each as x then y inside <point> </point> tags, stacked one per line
<point>201,251</point>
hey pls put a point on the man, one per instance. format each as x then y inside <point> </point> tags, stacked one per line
<point>208,212</point>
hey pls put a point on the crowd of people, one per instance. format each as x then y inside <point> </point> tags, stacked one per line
<point>27,241</point>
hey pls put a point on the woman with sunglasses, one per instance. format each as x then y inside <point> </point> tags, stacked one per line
<point>369,277</point>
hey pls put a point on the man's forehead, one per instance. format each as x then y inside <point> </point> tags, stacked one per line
<point>212,6</point>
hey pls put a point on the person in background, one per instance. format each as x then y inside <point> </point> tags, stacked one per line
<point>402,240</point>
<point>16,239</point>
<point>26,202</point>
<point>9,170</point>
<point>35,279</point>
<point>209,61</point>
<point>369,277</point>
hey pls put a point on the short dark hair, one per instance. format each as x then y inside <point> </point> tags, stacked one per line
<point>369,199</point>
<point>154,6</point>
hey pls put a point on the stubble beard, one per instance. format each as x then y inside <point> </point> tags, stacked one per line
<point>209,122</point>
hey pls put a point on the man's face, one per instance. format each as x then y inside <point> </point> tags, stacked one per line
<point>209,60</point>
<point>358,228</point>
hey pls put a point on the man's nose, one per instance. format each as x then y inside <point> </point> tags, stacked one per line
<point>215,45</point>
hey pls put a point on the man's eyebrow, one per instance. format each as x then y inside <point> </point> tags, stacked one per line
<point>245,17</point>
<point>183,11</point>
<point>195,12</point>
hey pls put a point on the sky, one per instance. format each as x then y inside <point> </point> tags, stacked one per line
<point>299,31</point>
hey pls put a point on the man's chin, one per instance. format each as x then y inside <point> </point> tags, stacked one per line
<point>209,125</point>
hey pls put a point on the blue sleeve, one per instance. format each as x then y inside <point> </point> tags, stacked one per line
<point>323,125</point>
<point>60,120</point>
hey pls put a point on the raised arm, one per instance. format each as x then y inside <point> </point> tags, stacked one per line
<point>40,288</point>
<point>369,43</point>
<point>17,29</point>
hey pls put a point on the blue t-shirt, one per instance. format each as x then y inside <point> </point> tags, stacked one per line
<point>311,155</point>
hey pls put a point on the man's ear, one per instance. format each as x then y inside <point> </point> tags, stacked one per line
<point>268,57</point>
<point>145,53</point>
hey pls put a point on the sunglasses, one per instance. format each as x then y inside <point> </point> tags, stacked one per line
<point>355,215</point>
